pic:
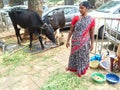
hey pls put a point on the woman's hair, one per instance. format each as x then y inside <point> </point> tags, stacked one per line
<point>85,4</point>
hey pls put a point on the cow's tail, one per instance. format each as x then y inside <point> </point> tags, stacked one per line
<point>12,15</point>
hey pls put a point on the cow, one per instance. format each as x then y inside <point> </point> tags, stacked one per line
<point>31,21</point>
<point>57,21</point>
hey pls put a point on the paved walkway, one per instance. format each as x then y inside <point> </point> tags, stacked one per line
<point>33,74</point>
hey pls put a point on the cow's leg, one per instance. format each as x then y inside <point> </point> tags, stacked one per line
<point>20,36</point>
<point>17,31</point>
<point>31,39</point>
<point>18,27</point>
<point>40,39</point>
<point>37,33</point>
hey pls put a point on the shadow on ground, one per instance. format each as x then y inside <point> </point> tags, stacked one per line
<point>36,48</point>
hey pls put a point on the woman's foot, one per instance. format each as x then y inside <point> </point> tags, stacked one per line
<point>66,69</point>
<point>83,72</point>
<point>72,70</point>
<point>79,75</point>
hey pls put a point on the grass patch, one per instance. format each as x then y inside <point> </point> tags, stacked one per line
<point>14,58</point>
<point>64,81</point>
<point>10,62</point>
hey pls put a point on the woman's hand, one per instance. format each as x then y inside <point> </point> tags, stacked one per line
<point>91,47</point>
<point>67,44</point>
<point>69,36</point>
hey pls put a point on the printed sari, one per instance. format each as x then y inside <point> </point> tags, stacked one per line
<point>79,57</point>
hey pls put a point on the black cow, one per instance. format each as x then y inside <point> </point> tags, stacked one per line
<point>31,21</point>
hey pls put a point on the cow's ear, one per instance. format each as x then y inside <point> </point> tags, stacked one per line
<point>51,18</point>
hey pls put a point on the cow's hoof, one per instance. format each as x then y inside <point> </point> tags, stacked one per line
<point>30,49</point>
<point>43,48</point>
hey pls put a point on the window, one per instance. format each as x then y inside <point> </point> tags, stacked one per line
<point>56,10</point>
<point>117,11</point>
<point>70,10</point>
<point>108,6</point>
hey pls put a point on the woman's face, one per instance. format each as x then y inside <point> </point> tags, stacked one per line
<point>83,10</point>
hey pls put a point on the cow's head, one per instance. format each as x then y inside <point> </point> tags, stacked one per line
<point>48,31</point>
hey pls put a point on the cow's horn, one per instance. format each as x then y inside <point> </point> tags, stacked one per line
<point>45,24</point>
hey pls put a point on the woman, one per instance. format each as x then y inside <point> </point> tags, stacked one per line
<point>82,32</point>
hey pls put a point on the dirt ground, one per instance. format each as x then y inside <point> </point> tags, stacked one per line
<point>33,74</point>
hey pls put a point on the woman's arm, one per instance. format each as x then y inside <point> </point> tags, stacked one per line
<point>73,22</point>
<point>92,34</point>
<point>92,38</point>
<point>69,36</point>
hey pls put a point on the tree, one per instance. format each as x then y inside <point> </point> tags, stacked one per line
<point>16,2</point>
<point>36,5</point>
<point>1,3</point>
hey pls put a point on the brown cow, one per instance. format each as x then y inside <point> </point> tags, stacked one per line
<point>57,21</point>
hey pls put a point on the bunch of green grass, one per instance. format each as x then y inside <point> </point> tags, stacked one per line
<point>13,59</point>
<point>63,81</point>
